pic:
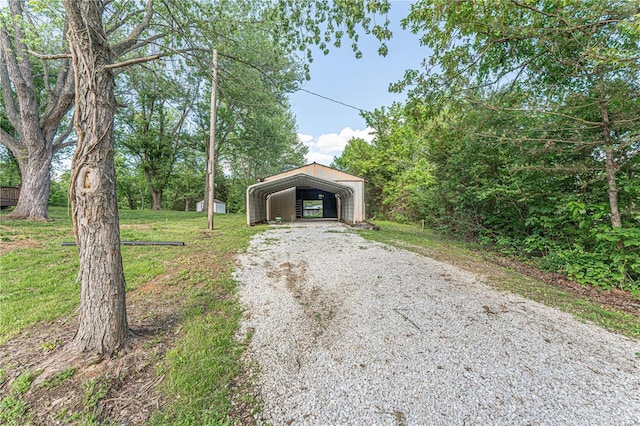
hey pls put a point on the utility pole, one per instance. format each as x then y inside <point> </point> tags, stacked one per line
<point>211,166</point>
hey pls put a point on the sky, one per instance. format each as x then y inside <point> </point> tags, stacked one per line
<point>325,126</point>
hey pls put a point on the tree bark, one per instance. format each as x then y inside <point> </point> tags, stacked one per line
<point>102,326</point>
<point>35,171</point>
<point>156,194</point>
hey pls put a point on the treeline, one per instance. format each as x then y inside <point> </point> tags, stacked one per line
<point>161,128</point>
<point>522,132</point>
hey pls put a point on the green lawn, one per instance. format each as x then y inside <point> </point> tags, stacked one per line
<point>38,284</point>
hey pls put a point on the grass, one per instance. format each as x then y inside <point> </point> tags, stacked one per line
<point>470,257</point>
<point>13,410</point>
<point>199,369</point>
<point>42,273</point>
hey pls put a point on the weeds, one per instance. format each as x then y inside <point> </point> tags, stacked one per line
<point>59,378</point>
<point>13,410</point>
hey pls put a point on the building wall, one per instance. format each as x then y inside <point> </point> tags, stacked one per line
<point>282,204</point>
<point>218,207</point>
<point>327,173</point>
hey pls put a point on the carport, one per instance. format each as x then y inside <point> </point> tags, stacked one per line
<point>340,194</point>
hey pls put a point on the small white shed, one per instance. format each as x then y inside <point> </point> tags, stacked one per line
<point>219,207</point>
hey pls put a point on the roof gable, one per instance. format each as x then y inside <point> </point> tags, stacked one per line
<point>317,170</point>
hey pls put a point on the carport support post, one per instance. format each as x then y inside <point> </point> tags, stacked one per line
<point>212,142</point>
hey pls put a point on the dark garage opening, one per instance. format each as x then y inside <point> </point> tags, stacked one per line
<point>307,197</point>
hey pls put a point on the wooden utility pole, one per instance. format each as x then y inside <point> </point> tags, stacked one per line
<point>211,169</point>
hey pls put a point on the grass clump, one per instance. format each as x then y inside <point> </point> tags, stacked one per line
<point>59,378</point>
<point>13,409</point>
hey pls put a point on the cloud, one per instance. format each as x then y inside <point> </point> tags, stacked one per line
<point>323,148</point>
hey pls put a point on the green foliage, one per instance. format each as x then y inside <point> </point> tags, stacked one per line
<point>398,174</point>
<point>59,378</point>
<point>59,190</point>
<point>528,113</point>
<point>9,170</point>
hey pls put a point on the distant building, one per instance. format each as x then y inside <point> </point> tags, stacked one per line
<point>309,191</point>
<point>218,206</point>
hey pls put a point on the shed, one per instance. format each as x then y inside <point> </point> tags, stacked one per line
<point>307,192</point>
<point>218,206</point>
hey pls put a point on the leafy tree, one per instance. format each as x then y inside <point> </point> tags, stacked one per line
<point>186,187</point>
<point>573,62</point>
<point>131,186</point>
<point>397,171</point>
<point>37,94</point>
<point>157,109</point>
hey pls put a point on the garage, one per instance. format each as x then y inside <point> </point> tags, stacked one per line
<point>309,192</point>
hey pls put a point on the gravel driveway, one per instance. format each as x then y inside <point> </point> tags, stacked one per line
<point>353,332</point>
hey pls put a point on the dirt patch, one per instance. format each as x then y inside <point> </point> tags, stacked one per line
<point>120,390</point>
<point>316,305</point>
<point>9,246</point>
<point>142,226</point>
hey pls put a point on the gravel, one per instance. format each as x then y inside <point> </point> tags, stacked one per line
<point>352,332</point>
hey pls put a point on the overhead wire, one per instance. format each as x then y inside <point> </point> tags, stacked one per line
<point>331,100</point>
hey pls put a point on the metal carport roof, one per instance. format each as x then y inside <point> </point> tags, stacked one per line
<point>257,195</point>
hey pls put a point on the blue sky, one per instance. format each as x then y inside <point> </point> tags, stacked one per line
<point>324,126</point>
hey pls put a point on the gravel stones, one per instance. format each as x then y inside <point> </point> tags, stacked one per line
<point>353,332</point>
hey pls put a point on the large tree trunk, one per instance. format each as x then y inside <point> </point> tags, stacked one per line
<point>36,181</point>
<point>157,198</point>
<point>103,322</point>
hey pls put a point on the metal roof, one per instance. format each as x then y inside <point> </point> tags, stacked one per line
<point>257,194</point>
<point>263,189</point>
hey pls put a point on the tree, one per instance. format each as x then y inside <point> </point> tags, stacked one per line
<point>103,321</point>
<point>36,98</point>
<point>158,106</point>
<point>397,170</point>
<point>575,62</point>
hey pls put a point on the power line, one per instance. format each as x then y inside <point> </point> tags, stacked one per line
<point>332,100</point>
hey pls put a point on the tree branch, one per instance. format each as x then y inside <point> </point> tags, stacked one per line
<point>14,145</point>
<point>135,61</point>
<point>61,146</point>
<point>49,57</point>
<point>10,107</point>
<point>137,31</point>
<point>63,136</point>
